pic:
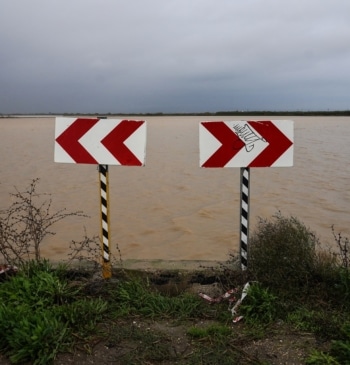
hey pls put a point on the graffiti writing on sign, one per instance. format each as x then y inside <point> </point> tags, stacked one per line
<point>247,135</point>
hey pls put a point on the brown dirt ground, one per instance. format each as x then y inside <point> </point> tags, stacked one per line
<point>281,346</point>
<point>285,348</point>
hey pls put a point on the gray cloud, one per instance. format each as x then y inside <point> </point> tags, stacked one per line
<point>173,56</point>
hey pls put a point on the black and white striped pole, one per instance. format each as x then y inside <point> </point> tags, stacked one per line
<point>244,231</point>
<point>105,234</point>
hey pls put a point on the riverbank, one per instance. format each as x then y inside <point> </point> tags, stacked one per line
<point>158,317</point>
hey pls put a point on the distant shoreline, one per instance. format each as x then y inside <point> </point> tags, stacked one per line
<point>219,113</point>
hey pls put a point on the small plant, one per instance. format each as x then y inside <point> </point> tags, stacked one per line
<point>38,312</point>
<point>213,331</point>
<point>339,353</point>
<point>91,310</point>
<point>136,297</point>
<point>259,306</point>
<point>320,321</point>
<point>38,337</point>
<point>341,348</point>
<point>37,285</point>
<point>321,358</point>
<point>302,319</point>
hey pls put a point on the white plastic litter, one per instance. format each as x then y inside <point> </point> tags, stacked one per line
<point>230,296</point>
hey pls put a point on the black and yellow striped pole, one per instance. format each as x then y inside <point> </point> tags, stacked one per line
<point>105,234</point>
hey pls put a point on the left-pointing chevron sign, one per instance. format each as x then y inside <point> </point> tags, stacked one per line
<point>100,141</point>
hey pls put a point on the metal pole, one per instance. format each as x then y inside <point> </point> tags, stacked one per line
<point>244,231</point>
<point>105,235</point>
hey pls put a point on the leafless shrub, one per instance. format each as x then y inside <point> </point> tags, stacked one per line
<point>85,251</point>
<point>27,221</point>
<point>343,244</point>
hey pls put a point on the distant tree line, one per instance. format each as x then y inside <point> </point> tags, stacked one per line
<point>295,112</point>
<point>219,113</point>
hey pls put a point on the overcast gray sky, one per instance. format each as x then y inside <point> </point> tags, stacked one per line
<point>124,56</point>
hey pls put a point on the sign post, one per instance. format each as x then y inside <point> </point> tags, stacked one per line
<point>246,144</point>
<point>105,234</point>
<point>244,229</point>
<point>102,142</point>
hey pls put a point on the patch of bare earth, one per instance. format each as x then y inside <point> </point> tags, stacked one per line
<point>284,348</point>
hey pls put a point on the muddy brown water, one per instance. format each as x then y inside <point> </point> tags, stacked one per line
<point>171,209</point>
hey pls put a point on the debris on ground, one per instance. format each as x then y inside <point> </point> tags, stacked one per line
<point>7,271</point>
<point>230,295</point>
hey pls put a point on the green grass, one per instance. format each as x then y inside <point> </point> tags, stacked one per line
<point>39,312</point>
<point>213,331</point>
<point>44,312</point>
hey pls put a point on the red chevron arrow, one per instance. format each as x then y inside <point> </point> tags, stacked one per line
<point>278,143</point>
<point>69,140</point>
<point>114,142</point>
<point>231,144</point>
